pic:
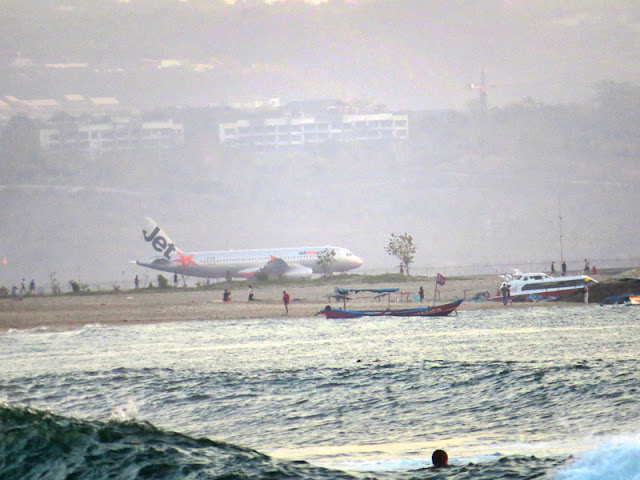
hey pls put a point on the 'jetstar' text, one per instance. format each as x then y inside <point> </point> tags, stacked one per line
<point>159,243</point>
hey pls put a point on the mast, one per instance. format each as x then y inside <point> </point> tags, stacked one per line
<point>560,225</point>
<point>482,86</point>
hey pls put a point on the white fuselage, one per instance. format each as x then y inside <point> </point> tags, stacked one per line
<point>290,263</point>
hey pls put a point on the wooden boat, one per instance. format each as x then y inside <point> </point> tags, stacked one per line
<point>630,299</point>
<point>432,311</point>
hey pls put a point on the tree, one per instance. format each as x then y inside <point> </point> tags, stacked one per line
<point>162,282</point>
<point>325,258</point>
<point>75,286</point>
<point>402,247</point>
<point>19,145</point>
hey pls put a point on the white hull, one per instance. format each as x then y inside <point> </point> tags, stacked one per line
<point>539,286</point>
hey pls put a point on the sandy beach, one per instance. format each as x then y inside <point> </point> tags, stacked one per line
<point>190,304</point>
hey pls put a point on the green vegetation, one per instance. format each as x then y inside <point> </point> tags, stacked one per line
<point>602,290</point>
<point>77,287</point>
<point>402,247</point>
<point>325,259</point>
<point>163,282</point>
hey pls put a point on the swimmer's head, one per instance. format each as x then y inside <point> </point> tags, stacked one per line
<point>440,459</point>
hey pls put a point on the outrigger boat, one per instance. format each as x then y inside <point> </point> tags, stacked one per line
<point>435,311</point>
<point>429,311</point>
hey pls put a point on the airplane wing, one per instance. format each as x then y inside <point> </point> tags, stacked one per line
<point>278,268</point>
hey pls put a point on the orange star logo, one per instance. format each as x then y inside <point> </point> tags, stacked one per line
<point>185,260</point>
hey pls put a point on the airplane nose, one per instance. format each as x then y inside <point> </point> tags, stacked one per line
<point>357,260</point>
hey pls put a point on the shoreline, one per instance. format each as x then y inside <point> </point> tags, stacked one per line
<point>70,311</point>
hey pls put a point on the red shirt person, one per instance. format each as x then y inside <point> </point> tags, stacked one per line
<point>285,300</point>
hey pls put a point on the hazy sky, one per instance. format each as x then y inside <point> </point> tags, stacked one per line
<point>415,54</point>
<point>401,53</point>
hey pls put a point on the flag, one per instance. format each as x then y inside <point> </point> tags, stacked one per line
<point>440,280</point>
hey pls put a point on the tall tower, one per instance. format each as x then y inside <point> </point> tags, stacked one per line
<point>482,86</point>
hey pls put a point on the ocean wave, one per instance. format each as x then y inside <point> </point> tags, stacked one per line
<point>617,458</point>
<point>43,445</point>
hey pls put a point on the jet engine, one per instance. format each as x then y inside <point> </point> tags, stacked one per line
<point>297,272</point>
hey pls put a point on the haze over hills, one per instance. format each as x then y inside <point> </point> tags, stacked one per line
<point>472,189</point>
<point>407,54</point>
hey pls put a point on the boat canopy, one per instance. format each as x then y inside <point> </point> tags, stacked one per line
<point>345,291</point>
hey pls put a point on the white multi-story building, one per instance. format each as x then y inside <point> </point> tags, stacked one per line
<point>115,134</point>
<point>291,131</point>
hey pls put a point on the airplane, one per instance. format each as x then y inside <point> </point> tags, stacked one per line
<point>296,263</point>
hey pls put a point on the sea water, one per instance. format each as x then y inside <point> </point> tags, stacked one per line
<point>514,393</point>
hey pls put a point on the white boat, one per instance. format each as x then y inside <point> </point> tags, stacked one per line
<point>533,287</point>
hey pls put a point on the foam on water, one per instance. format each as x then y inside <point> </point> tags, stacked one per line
<point>126,412</point>
<point>616,459</point>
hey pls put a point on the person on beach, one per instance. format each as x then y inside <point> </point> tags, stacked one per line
<point>137,281</point>
<point>585,292</point>
<point>285,300</point>
<point>250,293</point>
<point>505,293</point>
<point>440,459</point>
<point>226,296</point>
<point>553,268</point>
<point>564,268</point>
<point>421,293</point>
<point>175,279</point>
<point>587,268</point>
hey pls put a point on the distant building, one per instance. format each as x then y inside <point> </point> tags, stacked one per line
<point>5,111</point>
<point>114,134</point>
<point>273,133</point>
<point>240,103</point>
<point>66,66</point>
<point>105,102</point>
<point>39,107</point>
<point>70,103</point>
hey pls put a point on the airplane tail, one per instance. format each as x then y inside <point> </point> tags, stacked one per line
<point>158,239</point>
